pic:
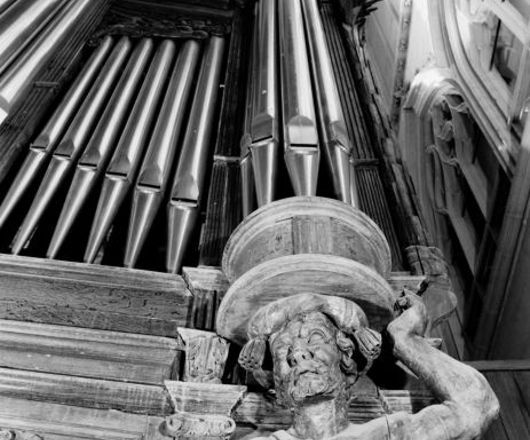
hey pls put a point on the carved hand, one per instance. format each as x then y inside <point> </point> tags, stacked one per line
<point>412,321</point>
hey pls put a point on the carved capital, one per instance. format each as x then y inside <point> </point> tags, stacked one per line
<point>14,434</point>
<point>202,411</point>
<point>199,426</point>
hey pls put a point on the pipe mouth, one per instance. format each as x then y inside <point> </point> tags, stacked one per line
<point>115,176</point>
<point>303,149</point>
<point>184,203</point>
<point>146,188</point>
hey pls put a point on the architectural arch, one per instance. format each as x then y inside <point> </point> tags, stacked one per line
<point>468,39</point>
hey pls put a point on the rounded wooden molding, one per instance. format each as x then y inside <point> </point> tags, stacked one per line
<point>304,273</point>
<point>306,225</point>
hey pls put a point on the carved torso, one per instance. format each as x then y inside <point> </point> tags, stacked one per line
<point>393,427</point>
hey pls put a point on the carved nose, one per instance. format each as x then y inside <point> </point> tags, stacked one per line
<point>297,355</point>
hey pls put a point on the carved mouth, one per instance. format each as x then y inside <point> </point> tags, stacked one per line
<point>309,369</point>
<point>305,374</point>
<point>307,385</point>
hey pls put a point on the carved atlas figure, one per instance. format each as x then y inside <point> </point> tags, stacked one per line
<point>321,345</point>
<point>321,316</point>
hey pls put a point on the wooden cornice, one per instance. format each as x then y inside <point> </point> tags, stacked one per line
<point>88,353</point>
<point>93,296</point>
<point>84,392</point>
<point>54,421</point>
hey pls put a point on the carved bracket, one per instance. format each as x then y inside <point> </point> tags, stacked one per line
<point>205,358</point>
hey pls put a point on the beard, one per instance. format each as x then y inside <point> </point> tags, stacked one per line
<point>310,382</point>
<point>309,385</point>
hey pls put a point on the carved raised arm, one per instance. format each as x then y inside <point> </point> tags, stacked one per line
<point>468,404</point>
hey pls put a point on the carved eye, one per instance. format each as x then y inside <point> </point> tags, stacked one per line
<point>289,355</point>
<point>316,337</point>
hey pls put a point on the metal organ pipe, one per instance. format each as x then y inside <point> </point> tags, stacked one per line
<point>245,161</point>
<point>45,143</point>
<point>18,78</point>
<point>20,24</point>
<point>187,191</point>
<point>264,123</point>
<point>154,173</point>
<point>302,151</point>
<point>4,4</point>
<point>336,142</point>
<point>97,153</point>
<point>123,167</point>
<point>74,140</point>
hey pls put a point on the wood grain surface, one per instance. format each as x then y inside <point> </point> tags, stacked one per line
<point>88,353</point>
<point>92,296</point>
<point>299,225</point>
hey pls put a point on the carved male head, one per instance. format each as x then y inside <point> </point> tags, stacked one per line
<point>319,345</point>
<point>308,360</point>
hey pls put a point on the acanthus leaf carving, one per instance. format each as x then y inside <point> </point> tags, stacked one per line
<point>206,356</point>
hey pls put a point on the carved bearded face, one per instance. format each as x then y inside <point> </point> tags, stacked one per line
<point>307,360</point>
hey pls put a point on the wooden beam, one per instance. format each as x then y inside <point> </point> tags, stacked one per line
<point>92,296</point>
<point>38,396</point>
<point>88,353</point>
<point>53,421</point>
<point>84,392</point>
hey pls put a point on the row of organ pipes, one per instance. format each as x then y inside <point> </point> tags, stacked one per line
<point>101,129</point>
<point>291,34</point>
<point>140,116</point>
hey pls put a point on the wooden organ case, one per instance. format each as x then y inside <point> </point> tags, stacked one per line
<point>90,349</point>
